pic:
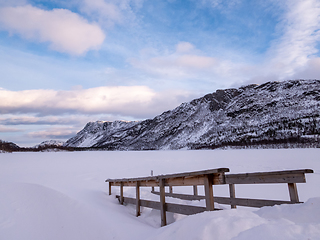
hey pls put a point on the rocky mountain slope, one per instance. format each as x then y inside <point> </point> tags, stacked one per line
<point>50,143</point>
<point>8,146</point>
<point>271,113</point>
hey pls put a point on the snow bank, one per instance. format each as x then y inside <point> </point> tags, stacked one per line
<point>300,221</point>
<point>30,211</point>
<point>63,196</point>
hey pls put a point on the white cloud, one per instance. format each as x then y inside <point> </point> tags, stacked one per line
<point>11,3</point>
<point>110,12</point>
<point>134,101</point>
<point>292,55</point>
<point>102,9</point>
<point>8,129</point>
<point>292,51</point>
<point>219,3</point>
<point>188,64</point>
<point>53,133</point>
<point>64,30</point>
<point>184,47</point>
<point>311,71</point>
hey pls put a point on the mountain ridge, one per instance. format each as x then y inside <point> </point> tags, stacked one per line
<point>272,112</point>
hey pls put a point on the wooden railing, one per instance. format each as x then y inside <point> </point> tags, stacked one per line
<point>207,178</point>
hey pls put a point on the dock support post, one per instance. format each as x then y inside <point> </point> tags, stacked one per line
<point>195,190</point>
<point>121,193</point>
<point>110,184</point>
<point>293,192</point>
<point>137,198</point>
<point>208,181</point>
<point>232,191</point>
<point>163,203</point>
<point>152,188</point>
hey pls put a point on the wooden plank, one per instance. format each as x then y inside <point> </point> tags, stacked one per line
<point>133,183</point>
<point>171,207</point>
<point>291,176</point>
<point>196,173</point>
<point>175,175</point>
<point>209,192</point>
<point>265,178</point>
<point>143,203</point>
<point>121,193</point>
<point>293,192</point>
<point>137,199</point>
<point>184,209</point>
<point>205,172</point>
<point>170,189</point>
<point>182,196</point>
<point>232,191</point>
<point>195,180</point>
<point>163,203</point>
<point>245,202</point>
<point>258,203</point>
<point>276,172</point>
<point>178,181</point>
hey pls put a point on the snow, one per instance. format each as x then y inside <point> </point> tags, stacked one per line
<point>62,195</point>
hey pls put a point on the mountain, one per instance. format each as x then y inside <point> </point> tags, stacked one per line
<point>8,146</point>
<point>271,113</point>
<point>50,143</point>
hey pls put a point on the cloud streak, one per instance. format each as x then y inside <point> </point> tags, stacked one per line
<point>64,30</point>
<point>301,25</point>
<point>46,120</point>
<point>53,133</point>
<point>5,129</point>
<point>135,101</point>
<point>291,55</point>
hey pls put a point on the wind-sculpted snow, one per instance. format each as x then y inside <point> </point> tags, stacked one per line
<point>32,211</point>
<point>271,113</point>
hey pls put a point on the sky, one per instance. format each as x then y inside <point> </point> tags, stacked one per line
<point>65,63</point>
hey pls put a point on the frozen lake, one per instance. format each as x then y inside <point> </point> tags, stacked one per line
<point>62,195</point>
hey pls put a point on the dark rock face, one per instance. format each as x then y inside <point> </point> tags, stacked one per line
<point>8,146</point>
<point>273,112</point>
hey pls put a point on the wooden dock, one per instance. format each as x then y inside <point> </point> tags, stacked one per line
<point>207,178</point>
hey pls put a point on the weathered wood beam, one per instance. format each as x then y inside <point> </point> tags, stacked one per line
<point>110,184</point>
<point>182,196</point>
<point>152,188</point>
<point>265,178</point>
<point>137,199</point>
<point>163,203</point>
<point>294,176</point>
<point>195,190</point>
<point>218,178</point>
<point>121,193</point>
<point>232,191</point>
<point>245,202</point>
<point>209,192</point>
<point>171,207</point>
<point>293,192</point>
<point>175,175</point>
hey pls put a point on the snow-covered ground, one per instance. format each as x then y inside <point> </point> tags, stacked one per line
<point>62,195</point>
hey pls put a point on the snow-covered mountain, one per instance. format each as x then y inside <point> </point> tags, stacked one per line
<point>50,143</point>
<point>274,112</point>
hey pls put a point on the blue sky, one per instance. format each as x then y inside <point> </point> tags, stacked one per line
<point>64,63</point>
